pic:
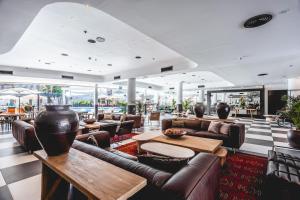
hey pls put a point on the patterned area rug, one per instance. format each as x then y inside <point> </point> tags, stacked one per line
<point>242,176</point>
<point>120,138</point>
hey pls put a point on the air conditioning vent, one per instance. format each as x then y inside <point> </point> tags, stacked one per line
<point>166,69</point>
<point>201,86</point>
<point>6,72</point>
<point>257,21</point>
<point>67,77</point>
<point>117,77</point>
<point>150,87</point>
<point>171,88</point>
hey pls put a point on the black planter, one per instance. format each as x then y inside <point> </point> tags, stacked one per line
<point>294,138</point>
<point>223,110</point>
<point>199,110</point>
<point>56,128</point>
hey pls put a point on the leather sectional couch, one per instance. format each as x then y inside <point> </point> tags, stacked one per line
<point>198,180</point>
<point>199,127</point>
<point>138,119</point>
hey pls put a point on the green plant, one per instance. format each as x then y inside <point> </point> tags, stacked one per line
<point>140,107</point>
<point>242,102</point>
<point>186,104</point>
<point>173,104</point>
<point>293,109</point>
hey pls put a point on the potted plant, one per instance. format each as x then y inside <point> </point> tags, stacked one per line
<point>293,112</point>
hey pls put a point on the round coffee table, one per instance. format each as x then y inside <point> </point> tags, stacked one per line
<point>167,150</point>
<point>143,138</point>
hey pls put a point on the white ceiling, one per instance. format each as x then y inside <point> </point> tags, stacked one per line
<point>59,28</point>
<point>208,32</point>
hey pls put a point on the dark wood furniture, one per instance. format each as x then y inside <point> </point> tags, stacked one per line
<point>93,177</point>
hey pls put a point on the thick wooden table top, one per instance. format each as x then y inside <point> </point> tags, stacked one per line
<point>167,150</point>
<point>197,144</point>
<point>95,178</point>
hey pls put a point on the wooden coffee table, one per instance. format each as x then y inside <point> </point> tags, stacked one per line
<point>167,150</point>
<point>143,138</point>
<point>197,144</point>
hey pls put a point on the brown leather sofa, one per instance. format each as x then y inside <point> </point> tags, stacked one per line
<point>199,128</point>
<point>198,180</point>
<point>24,133</point>
<point>282,178</point>
<point>138,119</point>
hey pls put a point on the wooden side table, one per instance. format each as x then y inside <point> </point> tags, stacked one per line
<point>95,178</point>
<point>222,154</point>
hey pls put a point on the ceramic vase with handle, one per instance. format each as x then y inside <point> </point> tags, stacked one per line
<point>199,110</point>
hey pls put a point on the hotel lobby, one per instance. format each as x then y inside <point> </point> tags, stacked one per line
<point>143,100</point>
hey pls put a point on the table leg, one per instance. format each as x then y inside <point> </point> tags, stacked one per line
<point>53,186</point>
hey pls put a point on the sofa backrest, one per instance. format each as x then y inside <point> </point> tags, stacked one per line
<point>155,177</point>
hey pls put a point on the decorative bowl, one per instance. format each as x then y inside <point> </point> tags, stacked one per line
<point>174,133</point>
<point>89,121</point>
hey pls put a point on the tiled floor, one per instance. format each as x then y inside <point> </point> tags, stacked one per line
<point>20,171</point>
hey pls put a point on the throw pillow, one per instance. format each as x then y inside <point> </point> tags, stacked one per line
<point>225,128</point>
<point>167,164</point>
<point>178,123</point>
<point>214,127</point>
<point>107,117</point>
<point>92,140</point>
<point>205,124</point>
<point>192,124</point>
<point>123,118</point>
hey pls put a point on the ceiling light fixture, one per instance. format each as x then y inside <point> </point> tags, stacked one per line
<point>109,65</point>
<point>100,39</point>
<point>85,31</point>
<point>291,66</point>
<point>262,74</point>
<point>91,41</point>
<point>47,63</point>
<point>138,57</point>
<point>64,54</point>
<point>257,21</point>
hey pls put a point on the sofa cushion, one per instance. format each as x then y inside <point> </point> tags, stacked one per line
<point>107,117</point>
<point>225,128</point>
<point>205,124</point>
<point>188,130</point>
<point>192,124</point>
<point>206,134</point>
<point>167,164</point>
<point>214,127</point>
<point>177,123</point>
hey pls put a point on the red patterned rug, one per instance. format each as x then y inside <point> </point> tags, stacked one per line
<point>120,138</point>
<point>242,175</point>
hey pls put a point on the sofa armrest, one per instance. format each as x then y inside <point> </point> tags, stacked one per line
<point>200,177</point>
<point>165,124</point>
<point>237,135</point>
<point>102,137</point>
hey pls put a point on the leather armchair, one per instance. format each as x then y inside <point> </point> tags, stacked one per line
<point>24,133</point>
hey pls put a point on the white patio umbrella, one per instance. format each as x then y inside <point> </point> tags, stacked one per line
<point>18,92</point>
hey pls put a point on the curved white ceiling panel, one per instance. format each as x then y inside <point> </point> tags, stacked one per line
<point>78,38</point>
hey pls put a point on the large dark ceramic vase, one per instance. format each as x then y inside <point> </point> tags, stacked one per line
<point>294,138</point>
<point>56,128</point>
<point>223,110</point>
<point>199,110</point>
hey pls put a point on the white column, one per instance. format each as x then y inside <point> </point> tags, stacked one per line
<point>96,100</point>
<point>179,96</point>
<point>294,84</point>
<point>131,87</point>
<point>201,96</point>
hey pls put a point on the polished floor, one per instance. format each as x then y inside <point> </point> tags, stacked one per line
<point>20,172</point>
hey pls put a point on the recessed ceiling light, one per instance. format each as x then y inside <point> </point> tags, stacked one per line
<point>100,39</point>
<point>91,41</point>
<point>89,70</point>
<point>47,63</point>
<point>262,74</point>
<point>291,66</point>
<point>64,54</point>
<point>90,58</point>
<point>202,79</point>
<point>153,58</point>
<point>257,21</point>
<point>183,73</point>
<point>193,75</point>
<point>109,64</point>
<point>138,57</point>
<point>85,31</point>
